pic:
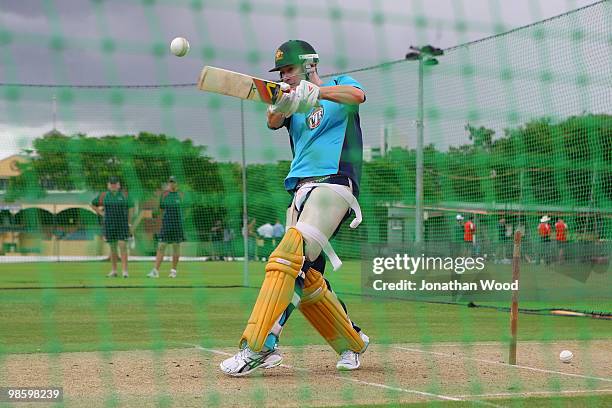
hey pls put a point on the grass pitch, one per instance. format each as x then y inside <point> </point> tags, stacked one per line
<point>52,312</point>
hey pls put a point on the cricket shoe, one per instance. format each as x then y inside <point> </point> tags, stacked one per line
<point>246,361</point>
<point>349,360</point>
<point>153,274</point>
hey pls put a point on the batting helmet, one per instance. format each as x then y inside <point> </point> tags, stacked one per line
<point>294,52</point>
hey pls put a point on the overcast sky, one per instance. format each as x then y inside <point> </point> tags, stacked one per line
<point>126,42</point>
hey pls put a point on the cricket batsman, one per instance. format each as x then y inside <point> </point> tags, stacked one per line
<point>326,141</point>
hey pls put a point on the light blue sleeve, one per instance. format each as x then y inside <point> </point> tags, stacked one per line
<point>347,80</point>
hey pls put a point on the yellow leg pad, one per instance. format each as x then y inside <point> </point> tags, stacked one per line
<point>323,310</point>
<point>276,291</point>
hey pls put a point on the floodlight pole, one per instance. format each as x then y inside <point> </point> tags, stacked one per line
<point>418,233</point>
<point>245,215</point>
<point>425,56</point>
<point>54,113</point>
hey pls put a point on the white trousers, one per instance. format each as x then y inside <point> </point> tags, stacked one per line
<point>320,208</point>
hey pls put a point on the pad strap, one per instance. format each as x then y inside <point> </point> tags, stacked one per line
<point>313,233</point>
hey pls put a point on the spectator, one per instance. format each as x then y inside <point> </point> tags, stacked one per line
<point>544,234</point>
<point>116,208</point>
<point>503,238</point>
<point>278,230</point>
<point>251,235</point>
<point>216,236</point>
<point>228,248</point>
<point>172,232</point>
<point>250,230</point>
<point>458,236</point>
<point>561,237</point>
<point>266,232</point>
<point>469,236</point>
<point>526,244</point>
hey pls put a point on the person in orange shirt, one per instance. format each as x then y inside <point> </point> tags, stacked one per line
<point>544,231</point>
<point>561,236</point>
<point>469,232</point>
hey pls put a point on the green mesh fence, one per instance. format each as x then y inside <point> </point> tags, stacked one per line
<point>517,135</point>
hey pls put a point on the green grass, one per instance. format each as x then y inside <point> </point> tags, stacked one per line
<point>66,307</point>
<point>80,309</point>
<point>596,401</point>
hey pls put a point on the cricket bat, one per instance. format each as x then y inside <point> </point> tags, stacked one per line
<point>238,85</point>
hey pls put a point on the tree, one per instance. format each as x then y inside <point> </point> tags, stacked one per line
<point>481,137</point>
<point>143,162</point>
<point>540,162</point>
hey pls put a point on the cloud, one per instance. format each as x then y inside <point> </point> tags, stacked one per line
<point>220,35</point>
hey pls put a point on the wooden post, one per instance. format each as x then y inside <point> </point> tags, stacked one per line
<point>516,274</point>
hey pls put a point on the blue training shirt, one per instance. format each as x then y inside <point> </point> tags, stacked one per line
<point>327,140</point>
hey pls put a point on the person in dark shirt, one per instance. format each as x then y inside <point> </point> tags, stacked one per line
<point>216,237</point>
<point>458,236</point>
<point>502,244</point>
<point>172,231</point>
<point>116,207</point>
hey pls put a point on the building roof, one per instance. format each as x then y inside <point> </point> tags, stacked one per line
<point>496,208</point>
<point>53,202</point>
<point>8,166</point>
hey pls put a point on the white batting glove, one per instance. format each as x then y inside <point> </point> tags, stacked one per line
<point>307,95</point>
<point>287,103</point>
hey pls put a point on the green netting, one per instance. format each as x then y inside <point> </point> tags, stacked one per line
<point>515,127</point>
